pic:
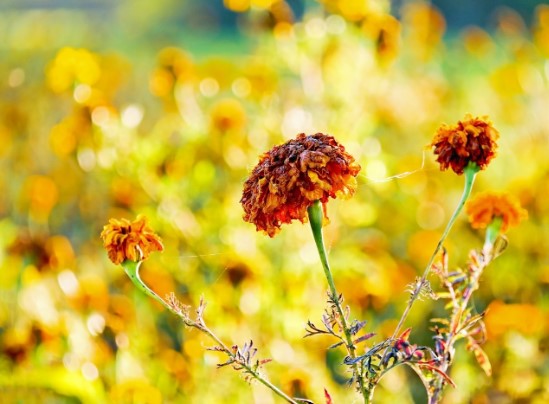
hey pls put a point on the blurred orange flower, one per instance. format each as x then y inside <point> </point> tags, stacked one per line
<point>471,140</point>
<point>485,207</point>
<point>502,318</point>
<point>290,177</point>
<point>125,240</point>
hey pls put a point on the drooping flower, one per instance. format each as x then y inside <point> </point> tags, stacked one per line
<point>472,140</point>
<point>125,240</point>
<point>291,177</point>
<point>486,207</point>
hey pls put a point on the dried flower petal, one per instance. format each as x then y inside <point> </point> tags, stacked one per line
<point>470,140</point>
<point>486,206</point>
<point>290,177</point>
<point>125,240</point>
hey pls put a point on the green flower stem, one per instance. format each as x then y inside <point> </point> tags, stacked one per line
<point>470,174</point>
<point>315,219</point>
<point>493,231</point>
<point>132,270</point>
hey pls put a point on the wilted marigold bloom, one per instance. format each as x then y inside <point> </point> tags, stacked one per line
<point>290,177</point>
<point>471,140</point>
<point>484,208</point>
<point>125,240</point>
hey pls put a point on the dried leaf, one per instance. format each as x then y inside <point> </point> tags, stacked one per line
<point>229,362</point>
<point>364,337</point>
<point>440,320</point>
<point>328,397</point>
<point>336,345</point>
<point>406,334</point>
<point>216,348</point>
<point>356,326</point>
<point>201,307</point>
<point>328,322</point>
<point>500,245</point>
<point>481,357</point>
<point>471,322</point>
<point>440,372</point>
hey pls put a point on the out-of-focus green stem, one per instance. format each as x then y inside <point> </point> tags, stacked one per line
<point>470,173</point>
<point>315,219</point>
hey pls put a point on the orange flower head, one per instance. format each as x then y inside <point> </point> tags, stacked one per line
<point>471,140</point>
<point>125,240</point>
<point>483,209</point>
<point>291,177</point>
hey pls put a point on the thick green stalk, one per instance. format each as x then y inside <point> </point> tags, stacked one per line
<point>470,174</point>
<point>315,219</point>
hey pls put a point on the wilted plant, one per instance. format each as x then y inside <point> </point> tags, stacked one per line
<point>294,181</point>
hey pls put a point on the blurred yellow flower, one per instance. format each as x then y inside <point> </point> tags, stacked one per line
<point>541,30</point>
<point>90,293</point>
<point>30,249</point>
<point>135,391</point>
<point>384,29</point>
<point>485,207</point>
<point>173,65</point>
<point>73,66</point>
<point>42,194</point>
<point>228,114</point>
<point>352,10</point>
<point>471,140</point>
<point>237,5</point>
<point>297,383</point>
<point>425,27</point>
<point>125,240</point>
<point>240,6</point>
<point>260,77</point>
<point>17,343</point>
<point>291,177</point>
<point>477,41</point>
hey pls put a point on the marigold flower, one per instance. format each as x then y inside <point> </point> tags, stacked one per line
<point>470,140</point>
<point>485,207</point>
<point>290,177</point>
<point>125,240</point>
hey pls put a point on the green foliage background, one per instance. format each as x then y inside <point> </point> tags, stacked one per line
<point>144,107</point>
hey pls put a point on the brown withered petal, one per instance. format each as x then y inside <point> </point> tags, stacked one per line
<point>485,207</point>
<point>125,240</point>
<point>470,140</point>
<point>290,177</point>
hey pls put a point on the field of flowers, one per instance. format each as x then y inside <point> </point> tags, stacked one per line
<point>105,113</point>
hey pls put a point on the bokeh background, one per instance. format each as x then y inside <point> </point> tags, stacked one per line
<point>111,109</point>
